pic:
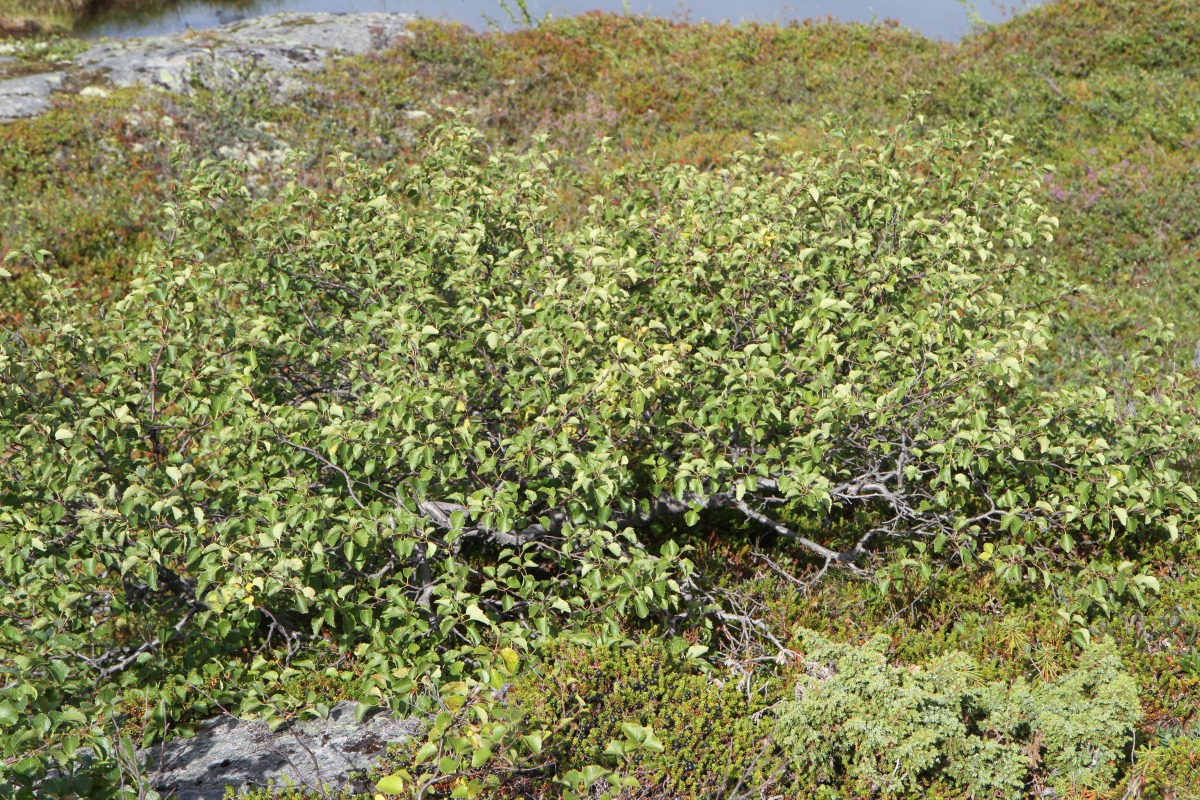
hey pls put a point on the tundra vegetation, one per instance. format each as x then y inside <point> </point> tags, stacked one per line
<point>695,412</point>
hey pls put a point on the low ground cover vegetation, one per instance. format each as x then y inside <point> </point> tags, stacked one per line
<point>633,452</point>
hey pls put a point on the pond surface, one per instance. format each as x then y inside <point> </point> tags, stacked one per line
<point>943,19</point>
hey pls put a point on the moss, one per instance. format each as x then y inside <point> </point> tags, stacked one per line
<point>714,732</point>
<point>293,793</point>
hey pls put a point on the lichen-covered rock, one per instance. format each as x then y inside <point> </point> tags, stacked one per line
<point>28,95</point>
<point>278,46</point>
<point>242,754</point>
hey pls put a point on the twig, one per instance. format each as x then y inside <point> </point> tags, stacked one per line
<point>128,660</point>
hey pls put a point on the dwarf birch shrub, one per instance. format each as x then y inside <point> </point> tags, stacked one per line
<point>428,417</point>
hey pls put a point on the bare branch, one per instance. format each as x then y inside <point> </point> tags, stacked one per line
<point>132,655</point>
<point>660,507</point>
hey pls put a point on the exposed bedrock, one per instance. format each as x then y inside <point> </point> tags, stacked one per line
<point>283,46</point>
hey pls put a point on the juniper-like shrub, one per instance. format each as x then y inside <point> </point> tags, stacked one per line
<point>428,416</point>
<point>892,731</point>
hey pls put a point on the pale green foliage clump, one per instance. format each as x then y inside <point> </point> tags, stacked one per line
<point>886,730</point>
<point>427,416</point>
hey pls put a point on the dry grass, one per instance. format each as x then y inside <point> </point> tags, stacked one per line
<point>39,16</point>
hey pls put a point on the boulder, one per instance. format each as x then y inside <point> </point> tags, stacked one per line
<point>28,95</point>
<point>246,754</point>
<point>280,47</point>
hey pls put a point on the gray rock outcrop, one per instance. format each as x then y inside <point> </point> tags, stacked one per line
<point>281,46</point>
<point>248,755</point>
<point>28,95</point>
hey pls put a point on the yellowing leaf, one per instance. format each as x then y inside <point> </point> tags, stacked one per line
<point>510,659</point>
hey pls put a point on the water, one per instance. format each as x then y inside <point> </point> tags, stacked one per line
<point>942,19</point>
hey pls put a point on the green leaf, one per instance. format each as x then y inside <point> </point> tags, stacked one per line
<point>396,783</point>
<point>640,607</point>
<point>634,732</point>
<point>616,749</point>
<point>426,752</point>
<point>480,756</point>
<point>1148,581</point>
